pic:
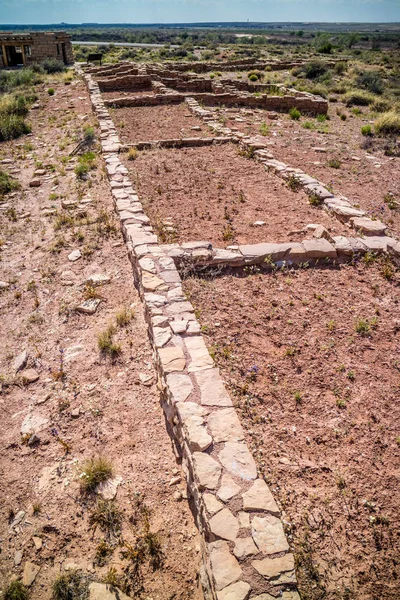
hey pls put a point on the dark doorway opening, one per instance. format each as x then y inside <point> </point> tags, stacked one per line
<point>14,56</point>
<point>64,53</point>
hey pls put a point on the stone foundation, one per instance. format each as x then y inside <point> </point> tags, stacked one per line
<point>245,550</point>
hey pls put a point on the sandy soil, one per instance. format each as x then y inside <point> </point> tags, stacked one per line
<point>215,194</point>
<point>92,405</point>
<point>319,403</point>
<point>363,173</point>
<point>145,123</point>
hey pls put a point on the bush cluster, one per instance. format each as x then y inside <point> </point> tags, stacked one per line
<point>13,109</point>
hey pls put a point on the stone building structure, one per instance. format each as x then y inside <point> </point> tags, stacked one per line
<point>24,49</point>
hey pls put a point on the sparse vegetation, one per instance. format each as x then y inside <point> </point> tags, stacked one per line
<point>73,585</point>
<point>294,114</point>
<point>132,154</point>
<point>94,471</point>
<point>16,591</point>
<point>366,130</point>
<point>388,124</point>
<point>106,343</point>
<point>124,316</point>
<point>7,184</point>
<point>358,98</point>
<point>13,110</point>
<point>107,516</point>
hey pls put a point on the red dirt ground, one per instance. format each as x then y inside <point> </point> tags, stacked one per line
<point>319,402</point>
<point>121,94</point>
<point>365,182</point>
<point>118,416</point>
<point>204,190</point>
<point>145,123</point>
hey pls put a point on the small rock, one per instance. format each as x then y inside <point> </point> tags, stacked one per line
<point>321,232</point>
<point>89,307</point>
<point>38,542</point>
<point>75,413</point>
<point>30,573</point>
<point>35,183</point>
<point>18,558</point>
<point>98,279</point>
<point>108,489</point>
<point>30,376</point>
<point>228,488</point>
<point>21,360</point>
<point>34,439</point>
<point>74,255</point>
<point>258,223</point>
<point>280,570</point>
<point>33,424</point>
<point>18,518</point>
<point>102,591</point>
<point>4,285</point>
<point>73,352</point>
<point>146,379</point>
<point>175,480</point>
<point>69,203</point>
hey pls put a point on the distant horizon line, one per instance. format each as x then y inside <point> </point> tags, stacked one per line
<point>187,23</point>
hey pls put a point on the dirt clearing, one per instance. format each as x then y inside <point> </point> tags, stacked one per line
<point>311,357</point>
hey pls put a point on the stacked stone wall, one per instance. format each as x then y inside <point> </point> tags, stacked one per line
<point>129,83</point>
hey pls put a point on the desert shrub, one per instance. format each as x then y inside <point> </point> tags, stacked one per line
<point>340,68</point>
<point>358,98</point>
<point>319,90</point>
<point>16,591</point>
<point>294,114</point>
<point>14,104</point>
<point>94,471</point>
<point>381,105</point>
<point>13,109</point>
<point>73,585</point>
<point>12,127</point>
<point>132,154</point>
<point>86,162</point>
<point>51,91</point>
<point>325,48</point>
<point>366,130</point>
<point>7,184</point>
<point>314,69</point>
<point>89,135</point>
<point>9,80</point>
<point>388,124</point>
<point>371,81</point>
<point>254,75</point>
<point>51,65</point>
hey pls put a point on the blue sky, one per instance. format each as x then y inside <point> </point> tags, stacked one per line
<point>180,11</point>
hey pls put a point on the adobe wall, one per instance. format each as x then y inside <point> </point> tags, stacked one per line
<point>43,45</point>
